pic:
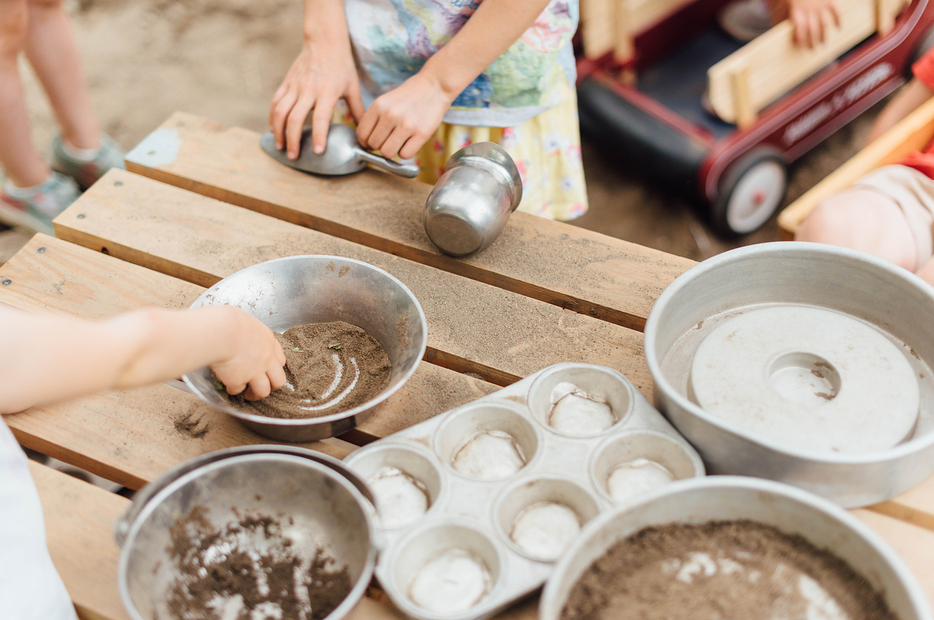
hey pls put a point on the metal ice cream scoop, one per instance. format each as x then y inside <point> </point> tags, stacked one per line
<point>342,155</point>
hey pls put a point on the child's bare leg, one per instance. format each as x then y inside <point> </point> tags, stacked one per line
<point>862,219</point>
<point>53,54</point>
<point>21,162</point>
<point>926,272</point>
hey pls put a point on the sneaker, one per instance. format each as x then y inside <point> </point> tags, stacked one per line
<point>744,20</point>
<point>87,171</point>
<point>36,207</point>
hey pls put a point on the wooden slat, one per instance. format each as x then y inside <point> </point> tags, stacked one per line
<point>78,517</point>
<point>135,437</point>
<point>597,18</point>
<point>567,266</point>
<point>913,133</point>
<point>472,327</point>
<point>635,16</point>
<point>913,544</point>
<point>774,63</point>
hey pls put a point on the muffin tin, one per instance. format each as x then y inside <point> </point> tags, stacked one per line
<point>500,531</point>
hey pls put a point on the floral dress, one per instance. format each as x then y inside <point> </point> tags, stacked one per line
<point>524,101</point>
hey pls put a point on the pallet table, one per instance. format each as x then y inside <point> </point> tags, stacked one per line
<point>200,201</point>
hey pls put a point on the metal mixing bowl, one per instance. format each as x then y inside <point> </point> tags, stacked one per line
<point>298,290</point>
<point>791,510</point>
<point>893,301</point>
<point>321,508</point>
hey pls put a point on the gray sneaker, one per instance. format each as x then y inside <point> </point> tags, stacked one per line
<point>35,209</point>
<point>86,173</point>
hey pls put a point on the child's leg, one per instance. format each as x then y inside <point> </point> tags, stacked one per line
<point>863,219</point>
<point>21,162</point>
<point>53,54</point>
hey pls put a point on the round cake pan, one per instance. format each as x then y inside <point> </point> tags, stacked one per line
<point>319,507</point>
<point>298,290</point>
<point>891,300</point>
<point>721,498</point>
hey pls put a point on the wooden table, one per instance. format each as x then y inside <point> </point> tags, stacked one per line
<point>200,201</point>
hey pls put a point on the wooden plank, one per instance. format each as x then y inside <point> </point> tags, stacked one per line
<point>567,266</point>
<point>915,506</point>
<point>78,517</point>
<point>913,544</point>
<point>777,64</point>
<point>130,436</point>
<point>913,133</point>
<point>472,327</point>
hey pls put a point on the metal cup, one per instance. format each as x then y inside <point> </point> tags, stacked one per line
<point>471,202</point>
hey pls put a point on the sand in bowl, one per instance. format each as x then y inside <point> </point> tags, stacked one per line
<point>574,412</point>
<point>330,367</point>
<point>489,455</point>
<point>248,570</point>
<point>402,499</point>
<point>544,530</point>
<point>721,569</point>
<point>635,478</point>
<point>452,581</point>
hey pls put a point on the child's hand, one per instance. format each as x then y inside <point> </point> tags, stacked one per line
<point>322,74</point>
<point>401,121</point>
<point>811,18</point>
<point>257,361</point>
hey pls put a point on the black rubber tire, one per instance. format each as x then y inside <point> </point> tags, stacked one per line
<point>719,220</point>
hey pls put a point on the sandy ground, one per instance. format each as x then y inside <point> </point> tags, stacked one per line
<point>225,58</point>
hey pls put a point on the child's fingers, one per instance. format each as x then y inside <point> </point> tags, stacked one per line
<point>234,388</point>
<point>295,124</point>
<point>393,144</point>
<point>413,145</point>
<point>381,132</point>
<point>816,29</point>
<point>280,115</point>
<point>354,101</point>
<point>259,388</point>
<point>365,126</point>
<point>799,19</point>
<point>276,377</point>
<point>320,121</point>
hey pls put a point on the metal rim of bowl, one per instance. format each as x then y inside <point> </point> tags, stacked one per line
<point>592,530</point>
<point>352,598</point>
<point>334,417</point>
<point>776,248</point>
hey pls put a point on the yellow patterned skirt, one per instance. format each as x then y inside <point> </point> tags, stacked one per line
<point>546,148</point>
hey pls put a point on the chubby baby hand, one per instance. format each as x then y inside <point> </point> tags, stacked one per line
<point>402,121</point>
<point>257,360</point>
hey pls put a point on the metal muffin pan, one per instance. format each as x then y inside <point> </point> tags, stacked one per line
<point>726,498</point>
<point>888,299</point>
<point>469,522</point>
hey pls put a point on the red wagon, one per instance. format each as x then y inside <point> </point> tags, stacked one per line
<point>676,99</point>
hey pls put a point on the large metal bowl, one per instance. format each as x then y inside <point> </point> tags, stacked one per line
<point>297,290</point>
<point>791,510</point>
<point>324,508</point>
<point>896,303</point>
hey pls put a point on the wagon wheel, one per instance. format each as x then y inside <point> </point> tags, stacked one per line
<point>750,192</point>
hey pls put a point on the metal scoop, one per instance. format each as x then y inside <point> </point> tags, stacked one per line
<point>342,155</point>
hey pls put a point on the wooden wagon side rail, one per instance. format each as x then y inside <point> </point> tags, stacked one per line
<point>745,82</point>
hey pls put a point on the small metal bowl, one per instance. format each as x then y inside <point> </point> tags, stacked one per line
<point>298,290</point>
<point>719,498</point>
<point>324,509</point>
<point>891,300</point>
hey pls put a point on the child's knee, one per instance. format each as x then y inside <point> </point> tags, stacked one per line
<point>831,222</point>
<point>13,24</point>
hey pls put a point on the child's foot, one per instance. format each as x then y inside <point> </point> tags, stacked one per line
<point>36,207</point>
<point>745,20</point>
<point>86,167</point>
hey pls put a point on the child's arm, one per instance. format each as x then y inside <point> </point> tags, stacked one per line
<point>903,104</point>
<point>810,18</point>
<point>323,73</point>
<point>402,120</point>
<point>45,359</point>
